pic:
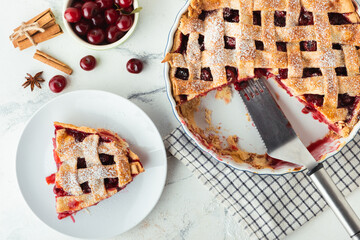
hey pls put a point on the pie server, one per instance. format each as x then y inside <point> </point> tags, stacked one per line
<point>282,143</point>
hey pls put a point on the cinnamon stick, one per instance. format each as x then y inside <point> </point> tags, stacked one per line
<point>44,19</point>
<point>53,62</point>
<point>39,37</point>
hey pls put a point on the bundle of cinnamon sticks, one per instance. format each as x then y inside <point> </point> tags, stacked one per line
<point>44,20</point>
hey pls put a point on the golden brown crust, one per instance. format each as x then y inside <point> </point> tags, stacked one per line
<point>70,178</point>
<point>246,58</point>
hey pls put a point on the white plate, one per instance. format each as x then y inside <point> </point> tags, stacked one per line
<point>96,109</point>
<point>233,120</point>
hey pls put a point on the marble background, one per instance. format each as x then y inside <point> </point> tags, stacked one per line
<point>186,209</point>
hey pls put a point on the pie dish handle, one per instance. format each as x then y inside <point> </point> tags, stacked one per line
<point>336,200</point>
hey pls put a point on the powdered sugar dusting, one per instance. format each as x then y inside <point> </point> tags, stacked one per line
<point>214,40</point>
<point>328,59</point>
<point>70,178</point>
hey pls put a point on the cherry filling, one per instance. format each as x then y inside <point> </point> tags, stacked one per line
<point>336,46</point>
<point>106,159</point>
<point>111,183</point>
<point>316,100</point>
<point>306,18</point>
<point>257,18</point>
<point>341,71</point>
<point>81,163</point>
<point>281,46</point>
<point>338,19</point>
<point>231,15</point>
<point>204,14</point>
<point>344,101</point>
<point>240,85</point>
<point>231,74</point>
<point>106,137</point>
<point>183,98</point>
<point>311,72</point>
<point>60,192</point>
<point>262,72</point>
<point>283,73</point>
<point>73,204</point>
<point>85,187</point>
<point>182,73</point>
<point>308,46</point>
<point>280,18</point>
<point>79,136</point>
<point>201,42</point>
<point>50,179</point>
<point>230,42</point>
<point>183,44</point>
<point>206,74</point>
<point>259,45</point>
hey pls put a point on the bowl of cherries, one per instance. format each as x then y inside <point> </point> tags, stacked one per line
<point>101,24</point>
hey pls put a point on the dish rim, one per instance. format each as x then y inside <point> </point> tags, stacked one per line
<point>232,163</point>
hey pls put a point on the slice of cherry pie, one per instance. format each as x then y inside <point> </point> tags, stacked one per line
<point>93,164</point>
<point>310,47</point>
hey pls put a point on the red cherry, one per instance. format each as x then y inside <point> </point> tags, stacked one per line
<point>129,9</point>
<point>105,4</point>
<point>82,27</point>
<point>88,63</point>
<point>98,20</point>
<point>89,9</point>
<point>57,83</point>
<point>124,3</point>
<point>134,65</point>
<point>113,34</point>
<point>72,14</point>
<point>111,15</point>
<point>96,36</point>
<point>124,23</point>
<point>78,5</point>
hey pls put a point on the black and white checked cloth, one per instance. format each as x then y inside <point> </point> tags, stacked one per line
<point>267,206</point>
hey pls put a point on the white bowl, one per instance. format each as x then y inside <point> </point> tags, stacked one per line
<point>308,129</point>
<point>100,47</point>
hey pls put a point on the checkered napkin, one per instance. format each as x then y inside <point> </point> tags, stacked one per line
<point>267,206</point>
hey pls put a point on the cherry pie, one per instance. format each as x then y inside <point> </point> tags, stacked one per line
<point>92,166</point>
<point>310,47</point>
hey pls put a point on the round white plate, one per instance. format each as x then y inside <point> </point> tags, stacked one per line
<point>96,109</point>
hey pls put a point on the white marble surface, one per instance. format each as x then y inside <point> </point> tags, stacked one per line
<point>186,209</point>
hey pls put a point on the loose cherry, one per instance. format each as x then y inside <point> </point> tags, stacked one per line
<point>72,14</point>
<point>82,27</point>
<point>88,63</point>
<point>78,5</point>
<point>98,20</point>
<point>57,83</point>
<point>96,36</point>
<point>124,23</point>
<point>89,9</point>
<point>134,65</point>
<point>105,4</point>
<point>129,9</point>
<point>111,15</point>
<point>113,34</point>
<point>124,3</point>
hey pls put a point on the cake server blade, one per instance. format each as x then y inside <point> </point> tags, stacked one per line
<point>282,143</point>
<point>274,128</point>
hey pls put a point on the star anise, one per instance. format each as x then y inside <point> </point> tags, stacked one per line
<point>33,81</point>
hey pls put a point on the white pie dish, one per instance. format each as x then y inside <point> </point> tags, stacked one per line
<point>34,162</point>
<point>69,29</point>
<point>308,129</point>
